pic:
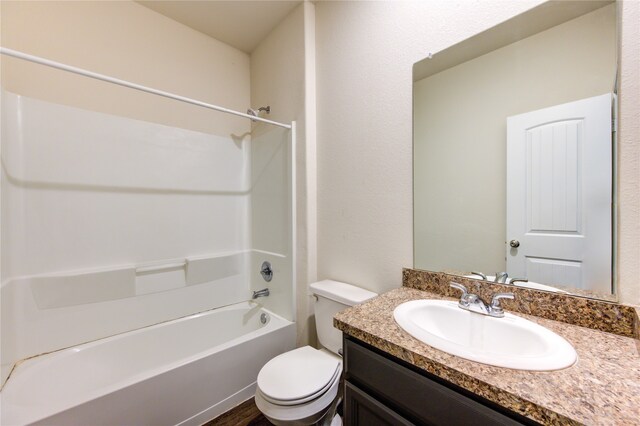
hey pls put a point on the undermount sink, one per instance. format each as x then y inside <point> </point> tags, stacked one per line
<point>510,342</point>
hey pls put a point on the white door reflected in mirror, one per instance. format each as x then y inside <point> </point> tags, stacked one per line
<point>559,194</point>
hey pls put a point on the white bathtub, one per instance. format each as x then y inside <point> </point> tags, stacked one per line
<point>185,371</point>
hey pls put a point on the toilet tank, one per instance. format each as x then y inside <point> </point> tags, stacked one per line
<point>331,298</point>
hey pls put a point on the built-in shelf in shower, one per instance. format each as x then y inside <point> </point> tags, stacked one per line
<point>71,288</point>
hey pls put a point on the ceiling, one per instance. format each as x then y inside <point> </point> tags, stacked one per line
<point>241,24</point>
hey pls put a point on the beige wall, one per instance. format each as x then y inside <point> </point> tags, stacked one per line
<point>460,134</point>
<point>629,155</point>
<point>365,53</point>
<point>280,77</point>
<point>125,40</point>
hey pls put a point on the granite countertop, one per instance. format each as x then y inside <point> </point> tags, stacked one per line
<point>603,387</point>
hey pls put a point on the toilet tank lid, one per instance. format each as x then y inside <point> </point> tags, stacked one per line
<point>342,292</point>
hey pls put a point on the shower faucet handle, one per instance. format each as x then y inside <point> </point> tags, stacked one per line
<point>266,271</point>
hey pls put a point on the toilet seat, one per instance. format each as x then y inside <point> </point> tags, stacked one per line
<point>298,376</point>
<point>308,398</point>
<point>303,414</point>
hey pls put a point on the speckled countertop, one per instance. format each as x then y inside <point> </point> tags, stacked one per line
<point>602,388</point>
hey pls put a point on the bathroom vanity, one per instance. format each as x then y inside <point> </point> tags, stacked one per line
<point>393,378</point>
<point>384,390</point>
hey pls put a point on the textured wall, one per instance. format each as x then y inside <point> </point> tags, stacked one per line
<point>281,78</point>
<point>629,155</point>
<point>124,40</point>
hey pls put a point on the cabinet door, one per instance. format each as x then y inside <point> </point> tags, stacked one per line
<point>416,396</point>
<point>362,410</point>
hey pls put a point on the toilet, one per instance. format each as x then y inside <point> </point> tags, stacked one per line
<point>299,387</point>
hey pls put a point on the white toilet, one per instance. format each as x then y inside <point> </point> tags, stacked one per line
<point>298,387</point>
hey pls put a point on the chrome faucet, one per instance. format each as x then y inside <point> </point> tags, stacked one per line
<point>501,277</point>
<point>473,303</point>
<point>260,293</point>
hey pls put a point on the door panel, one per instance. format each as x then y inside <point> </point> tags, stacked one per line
<point>553,177</point>
<point>542,270</point>
<point>363,410</point>
<point>559,194</point>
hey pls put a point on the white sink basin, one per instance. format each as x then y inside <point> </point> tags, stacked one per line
<point>511,341</point>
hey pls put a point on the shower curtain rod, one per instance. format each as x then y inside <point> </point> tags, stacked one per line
<point>102,77</point>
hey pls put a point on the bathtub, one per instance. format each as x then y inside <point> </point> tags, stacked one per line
<point>185,371</point>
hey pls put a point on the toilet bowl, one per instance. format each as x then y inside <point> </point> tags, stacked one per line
<point>299,387</point>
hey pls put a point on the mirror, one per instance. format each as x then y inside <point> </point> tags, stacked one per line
<point>514,152</point>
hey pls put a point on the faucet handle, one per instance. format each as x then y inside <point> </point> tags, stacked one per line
<point>463,289</point>
<point>517,280</point>
<point>495,308</point>
<point>480,274</point>
<point>501,277</point>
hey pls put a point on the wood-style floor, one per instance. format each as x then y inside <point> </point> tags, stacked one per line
<point>245,414</point>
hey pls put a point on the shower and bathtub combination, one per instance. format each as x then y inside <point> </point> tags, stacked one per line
<point>131,251</point>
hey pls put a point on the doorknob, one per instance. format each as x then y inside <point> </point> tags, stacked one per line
<point>514,243</point>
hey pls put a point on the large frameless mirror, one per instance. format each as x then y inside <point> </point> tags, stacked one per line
<point>514,152</point>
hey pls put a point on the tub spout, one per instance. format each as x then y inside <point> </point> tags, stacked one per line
<point>260,293</point>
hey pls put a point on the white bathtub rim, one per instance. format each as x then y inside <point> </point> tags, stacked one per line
<point>19,408</point>
<point>86,345</point>
<point>237,306</point>
<point>95,342</point>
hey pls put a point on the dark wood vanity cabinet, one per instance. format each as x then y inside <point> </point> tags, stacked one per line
<point>382,390</point>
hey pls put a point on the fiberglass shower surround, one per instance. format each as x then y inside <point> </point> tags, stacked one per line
<point>113,224</point>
